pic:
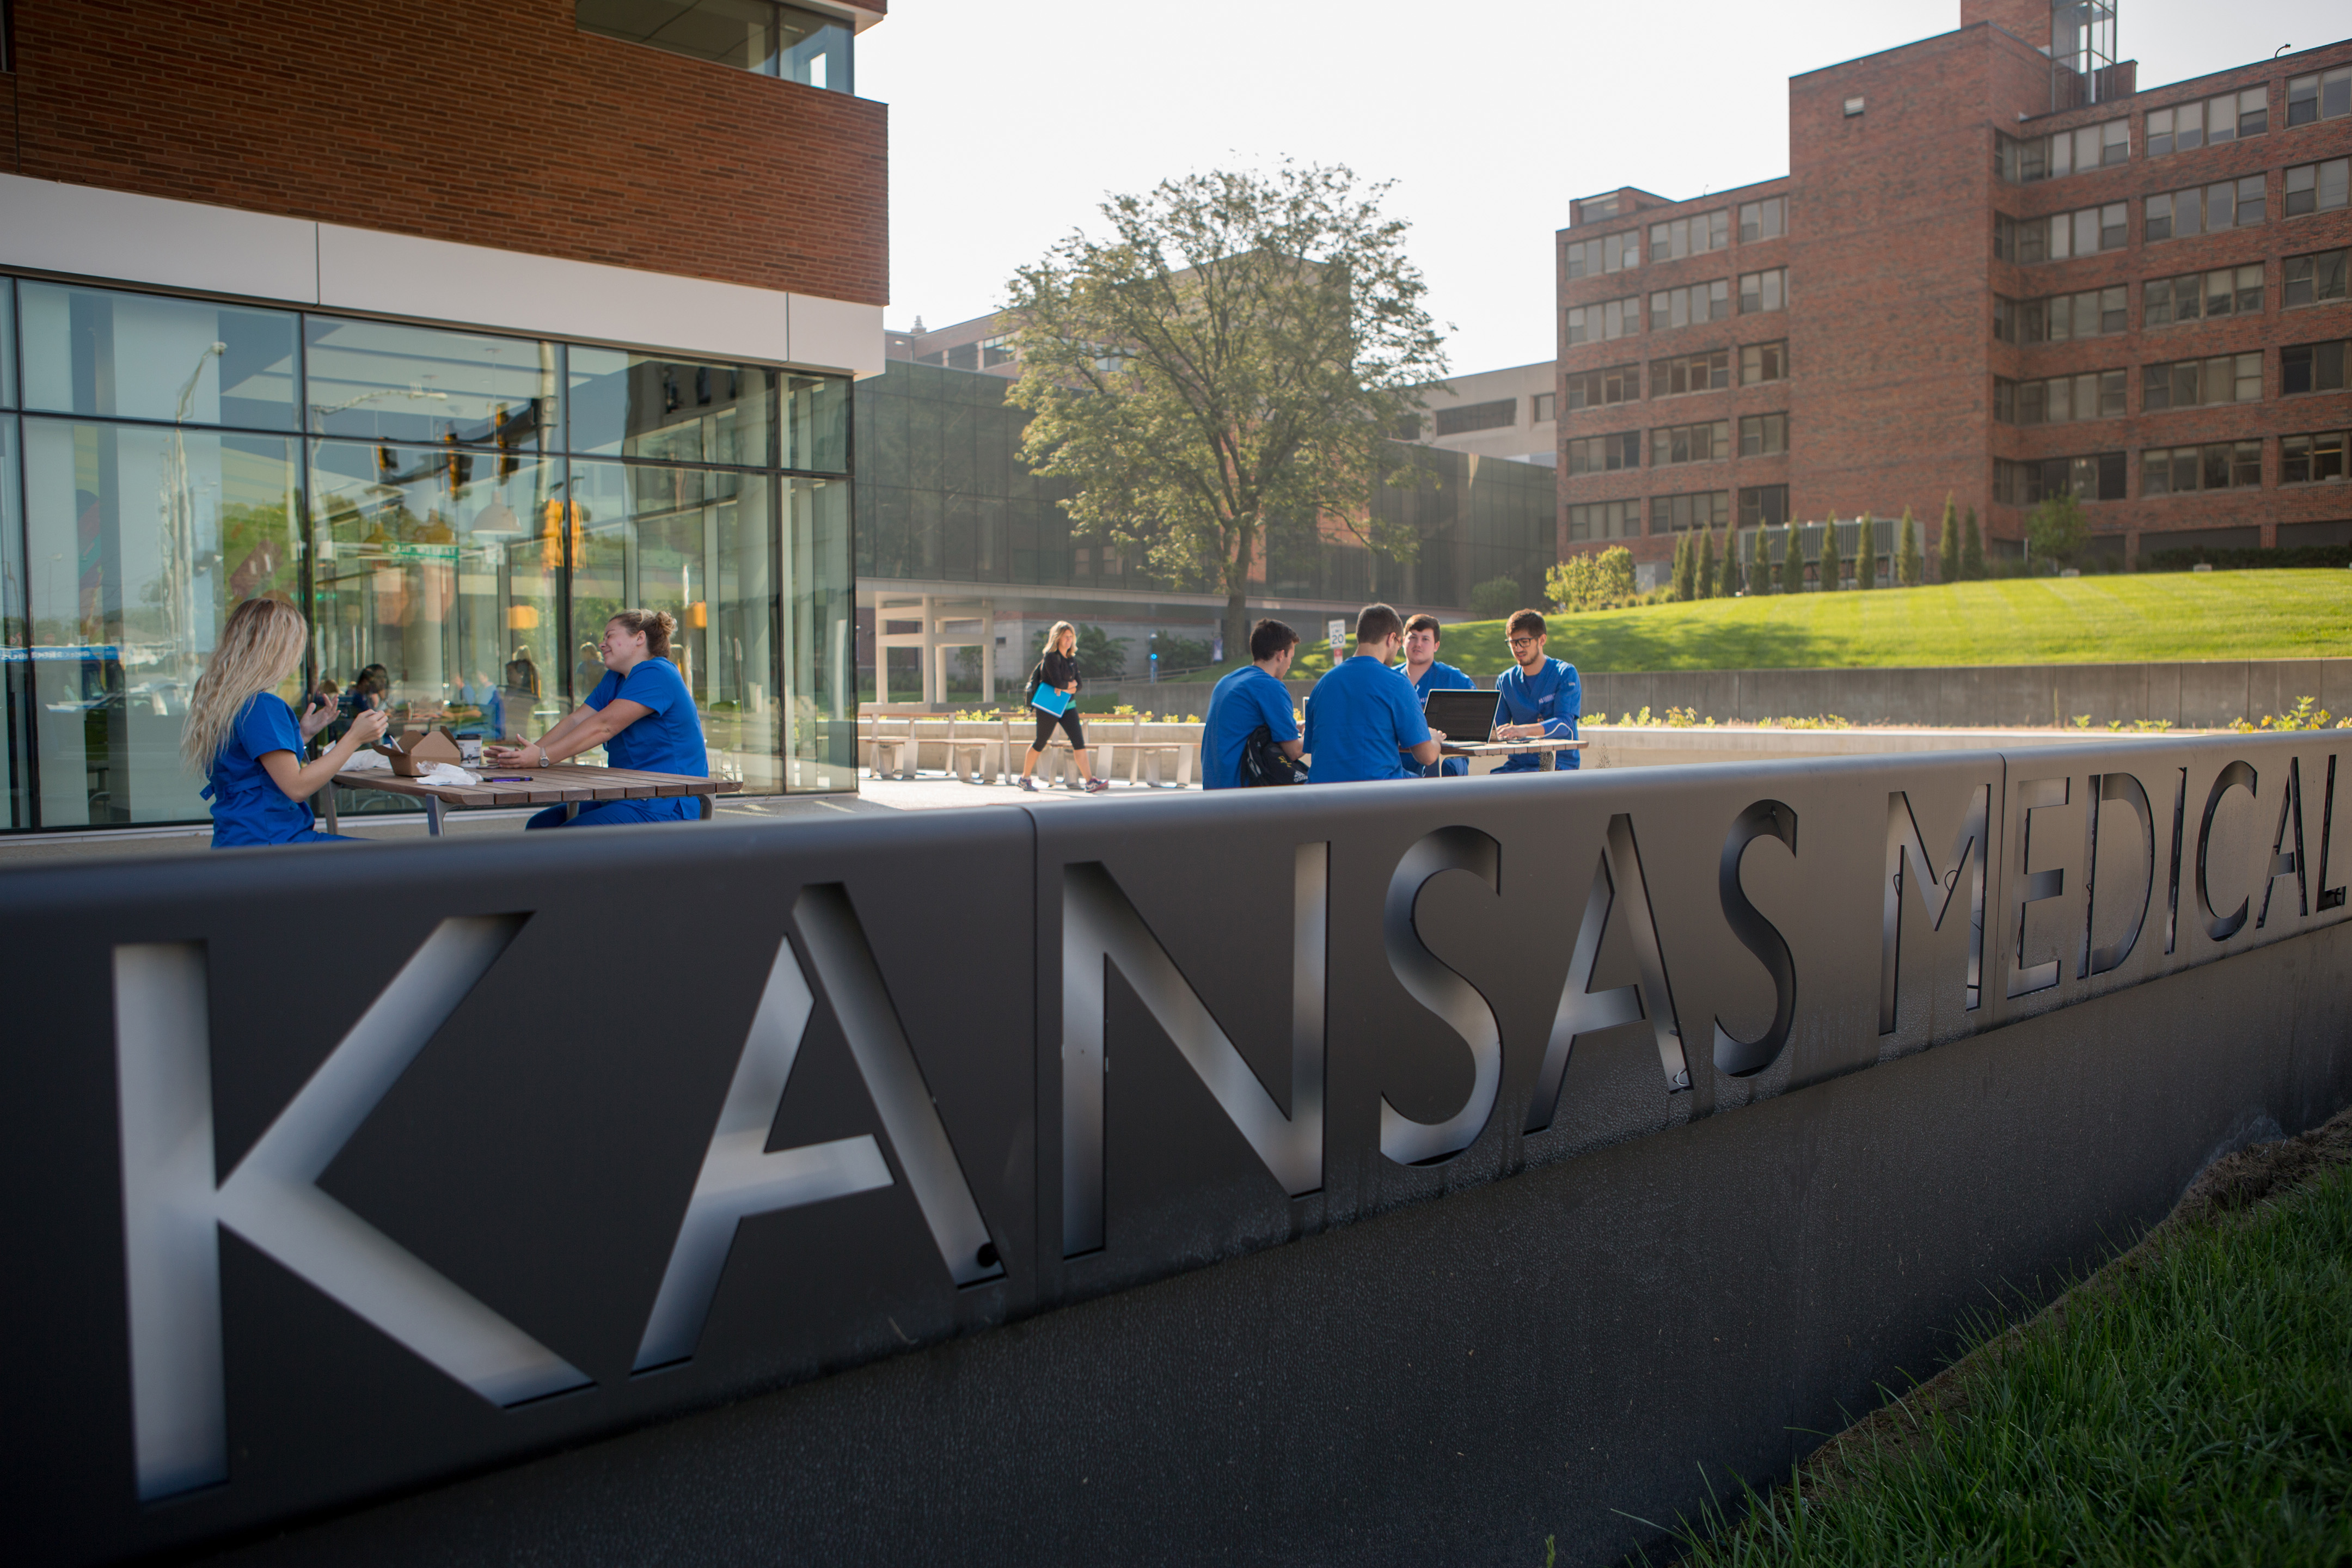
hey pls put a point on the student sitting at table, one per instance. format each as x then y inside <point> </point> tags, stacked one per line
<point>1429,673</point>
<point>1363,722</point>
<point>640,712</point>
<point>246,741</point>
<point>1541,698</point>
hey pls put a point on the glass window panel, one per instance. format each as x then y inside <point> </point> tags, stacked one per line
<point>739,33</point>
<point>2221,206</point>
<point>700,544</point>
<point>2086,231</point>
<point>680,411</point>
<point>2188,127</point>
<point>819,599</point>
<point>139,543</point>
<point>2159,132</point>
<point>2253,111</point>
<point>8,342</point>
<point>443,567</point>
<point>16,664</point>
<point>817,422</point>
<point>94,351</point>
<point>2253,197</point>
<point>814,49</point>
<point>2222,119</point>
<point>2159,217</point>
<point>374,381</point>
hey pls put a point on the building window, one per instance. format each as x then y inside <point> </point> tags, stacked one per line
<point>805,46</point>
<point>2093,313</point>
<point>1604,519</point>
<point>2318,97</point>
<point>1690,373</point>
<point>1598,388</point>
<point>1699,302</point>
<point>2023,161</point>
<point>1761,363</point>
<point>2202,296</point>
<point>2314,279</point>
<point>1605,454</point>
<point>1599,324</point>
<point>2059,400</point>
<point>2313,460</point>
<point>2192,383</point>
<point>1854,107</point>
<point>2188,126</point>
<point>2231,203</point>
<point>1706,442</point>
<point>2317,188</point>
<point>2311,367</point>
<point>1594,208</point>
<point>1767,219</point>
<point>1678,514</point>
<point>1763,291</point>
<point>997,351</point>
<point>2098,476</point>
<point>2218,465</point>
<point>1673,240</point>
<point>1763,435</point>
<point>1499,415</point>
<point>2055,238</point>
<point>1610,253</point>
<point>1763,506</point>
<point>1545,404</point>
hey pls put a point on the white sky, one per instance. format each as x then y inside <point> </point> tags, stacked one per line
<point>1008,124</point>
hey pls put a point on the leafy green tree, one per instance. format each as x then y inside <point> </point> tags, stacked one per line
<point>2056,529</point>
<point>1948,548</point>
<point>1730,586</point>
<point>1685,579</point>
<point>1972,565</point>
<point>1909,564</point>
<point>1865,555</point>
<point>1221,374</point>
<point>1707,573</point>
<point>1495,599</point>
<point>1613,575</point>
<point>1832,564</point>
<point>1792,561</point>
<point>1568,585</point>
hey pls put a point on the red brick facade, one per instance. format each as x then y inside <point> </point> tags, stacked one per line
<point>498,125</point>
<point>1891,297</point>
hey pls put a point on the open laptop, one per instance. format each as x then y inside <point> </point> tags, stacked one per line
<point>1465,716</point>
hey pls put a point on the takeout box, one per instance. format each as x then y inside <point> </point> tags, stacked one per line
<point>416,748</point>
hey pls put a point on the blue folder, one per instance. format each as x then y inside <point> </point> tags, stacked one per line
<point>1048,700</point>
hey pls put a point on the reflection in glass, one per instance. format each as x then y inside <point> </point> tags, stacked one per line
<point>698,542</point>
<point>140,541</point>
<point>816,422</point>
<point>8,342</point>
<point>93,351</point>
<point>820,607</point>
<point>16,663</point>
<point>373,381</point>
<point>676,411</point>
<point>800,46</point>
<point>442,566</point>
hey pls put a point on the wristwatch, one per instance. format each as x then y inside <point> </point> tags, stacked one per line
<point>542,757</point>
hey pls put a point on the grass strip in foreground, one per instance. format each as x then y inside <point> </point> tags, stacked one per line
<point>2189,1403</point>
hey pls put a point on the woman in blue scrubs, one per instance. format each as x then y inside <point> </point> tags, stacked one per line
<point>246,741</point>
<point>641,714</point>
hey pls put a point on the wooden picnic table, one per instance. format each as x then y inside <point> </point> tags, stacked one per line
<point>568,784</point>
<point>1549,749</point>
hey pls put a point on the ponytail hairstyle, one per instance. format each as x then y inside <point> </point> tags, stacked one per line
<point>656,626</point>
<point>258,649</point>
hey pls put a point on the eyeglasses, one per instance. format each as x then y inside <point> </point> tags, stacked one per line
<point>1518,643</point>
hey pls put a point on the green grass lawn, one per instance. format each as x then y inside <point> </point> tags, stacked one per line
<point>2198,1412</point>
<point>2156,615</point>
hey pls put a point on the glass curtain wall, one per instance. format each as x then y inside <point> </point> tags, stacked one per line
<point>456,512</point>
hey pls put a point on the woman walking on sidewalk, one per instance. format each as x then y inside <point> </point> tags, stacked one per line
<point>1053,694</point>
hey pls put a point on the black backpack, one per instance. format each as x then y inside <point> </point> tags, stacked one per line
<point>1262,761</point>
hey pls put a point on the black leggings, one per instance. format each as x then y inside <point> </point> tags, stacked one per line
<point>1068,720</point>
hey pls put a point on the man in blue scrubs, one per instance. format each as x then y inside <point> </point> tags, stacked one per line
<point>1422,668</point>
<point>640,712</point>
<point>1542,697</point>
<point>1249,696</point>
<point>1363,722</point>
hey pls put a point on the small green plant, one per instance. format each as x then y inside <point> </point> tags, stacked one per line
<point>1909,567</point>
<point>1733,577</point>
<point>1792,562</point>
<point>1972,549</point>
<point>1948,543</point>
<point>1832,572</point>
<point>1865,555</point>
<point>1685,574</point>
<point>2082,720</point>
<point>1707,572</point>
<point>2306,715</point>
<point>1495,599</point>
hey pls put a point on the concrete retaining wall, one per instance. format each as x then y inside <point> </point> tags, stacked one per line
<point>2192,696</point>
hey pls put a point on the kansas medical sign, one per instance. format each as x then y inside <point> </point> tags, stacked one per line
<point>339,1174</point>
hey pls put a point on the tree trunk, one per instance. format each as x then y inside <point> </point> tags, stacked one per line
<point>1237,616</point>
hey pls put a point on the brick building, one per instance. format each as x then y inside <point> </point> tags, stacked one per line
<point>1995,270</point>
<point>457,327</point>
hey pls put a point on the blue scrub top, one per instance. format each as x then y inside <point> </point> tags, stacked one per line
<point>669,738</point>
<point>1237,706</point>
<point>247,806</point>
<point>1554,698</point>
<point>1357,718</point>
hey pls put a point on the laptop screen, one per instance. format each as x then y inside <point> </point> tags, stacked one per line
<point>1467,716</point>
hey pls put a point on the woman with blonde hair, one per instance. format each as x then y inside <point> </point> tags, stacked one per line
<point>1058,671</point>
<point>246,741</point>
<point>640,712</point>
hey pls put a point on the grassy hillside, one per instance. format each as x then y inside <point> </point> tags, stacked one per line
<point>2027,620</point>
